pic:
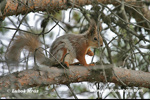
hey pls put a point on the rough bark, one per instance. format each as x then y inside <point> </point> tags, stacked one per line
<point>15,7</point>
<point>47,76</point>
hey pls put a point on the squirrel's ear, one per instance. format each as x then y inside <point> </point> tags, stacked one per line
<point>92,27</point>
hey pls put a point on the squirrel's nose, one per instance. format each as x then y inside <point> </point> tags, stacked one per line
<point>101,44</point>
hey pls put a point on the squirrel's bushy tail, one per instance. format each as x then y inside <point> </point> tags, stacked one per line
<point>27,41</point>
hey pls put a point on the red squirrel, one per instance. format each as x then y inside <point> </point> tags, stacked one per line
<point>65,48</point>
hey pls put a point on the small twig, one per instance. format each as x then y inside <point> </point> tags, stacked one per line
<point>118,77</point>
<point>72,91</point>
<point>43,25</point>
<point>84,11</point>
<point>100,55</point>
<point>141,54</point>
<point>65,57</point>
<point>57,22</point>
<point>93,56</point>
<point>56,91</point>
<point>16,29</point>
<point>50,29</point>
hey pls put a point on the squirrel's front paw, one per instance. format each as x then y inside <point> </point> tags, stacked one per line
<point>90,53</point>
<point>91,64</point>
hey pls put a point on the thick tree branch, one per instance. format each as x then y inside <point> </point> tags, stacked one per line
<point>15,7</point>
<point>53,75</point>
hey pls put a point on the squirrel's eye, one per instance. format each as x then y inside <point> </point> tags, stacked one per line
<point>95,38</point>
